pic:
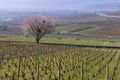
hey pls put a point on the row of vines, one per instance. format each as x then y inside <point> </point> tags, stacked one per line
<point>50,62</point>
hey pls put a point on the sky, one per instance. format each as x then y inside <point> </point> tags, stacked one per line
<point>53,4</point>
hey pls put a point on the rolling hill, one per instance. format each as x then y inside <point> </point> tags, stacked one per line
<point>72,22</point>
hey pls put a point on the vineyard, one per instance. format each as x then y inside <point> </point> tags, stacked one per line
<point>55,62</point>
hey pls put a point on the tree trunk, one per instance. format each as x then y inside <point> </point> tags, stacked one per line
<point>38,37</point>
<point>37,40</point>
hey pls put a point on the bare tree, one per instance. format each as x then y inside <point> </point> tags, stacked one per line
<point>38,26</point>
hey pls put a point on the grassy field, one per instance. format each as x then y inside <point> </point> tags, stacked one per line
<point>68,29</point>
<point>93,41</point>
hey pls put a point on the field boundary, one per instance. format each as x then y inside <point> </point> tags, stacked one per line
<point>78,45</point>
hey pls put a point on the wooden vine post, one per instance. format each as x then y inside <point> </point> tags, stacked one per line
<point>82,72</point>
<point>107,72</point>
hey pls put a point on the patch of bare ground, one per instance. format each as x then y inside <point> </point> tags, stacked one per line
<point>86,28</point>
<point>108,31</point>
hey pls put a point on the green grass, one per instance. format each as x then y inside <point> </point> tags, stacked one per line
<point>69,28</point>
<point>63,40</point>
<point>87,32</point>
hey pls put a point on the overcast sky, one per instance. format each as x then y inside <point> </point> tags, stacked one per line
<point>53,4</point>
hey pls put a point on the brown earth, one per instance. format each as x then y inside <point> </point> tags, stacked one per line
<point>107,31</point>
<point>83,29</point>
